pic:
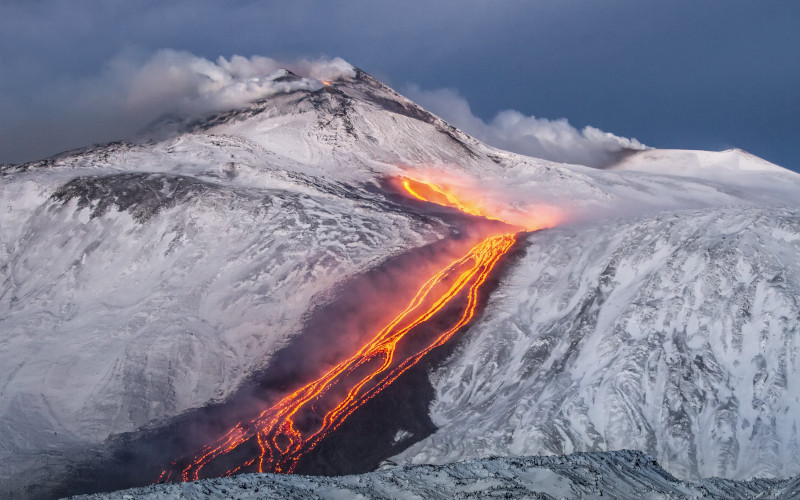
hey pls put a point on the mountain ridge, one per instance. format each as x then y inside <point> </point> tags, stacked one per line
<point>176,267</point>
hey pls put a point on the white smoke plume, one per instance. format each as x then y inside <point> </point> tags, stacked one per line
<point>554,140</point>
<point>195,85</point>
<point>133,91</point>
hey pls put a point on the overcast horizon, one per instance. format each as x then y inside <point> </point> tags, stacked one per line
<point>715,75</point>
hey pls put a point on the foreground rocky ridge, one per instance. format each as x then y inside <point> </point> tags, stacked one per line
<point>616,474</point>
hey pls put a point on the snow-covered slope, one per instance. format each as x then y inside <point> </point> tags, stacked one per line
<point>128,296</point>
<point>690,163</point>
<point>141,280</point>
<point>676,334</point>
<point>619,474</point>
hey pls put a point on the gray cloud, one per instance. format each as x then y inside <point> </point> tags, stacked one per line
<point>511,130</point>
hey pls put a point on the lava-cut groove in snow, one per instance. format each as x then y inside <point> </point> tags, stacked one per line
<point>294,426</point>
<point>367,407</point>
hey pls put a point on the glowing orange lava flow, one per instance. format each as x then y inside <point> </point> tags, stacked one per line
<point>281,435</point>
<point>432,193</point>
<point>489,203</point>
<point>282,432</point>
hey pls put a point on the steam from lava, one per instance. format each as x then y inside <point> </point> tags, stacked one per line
<point>295,425</point>
<point>469,196</point>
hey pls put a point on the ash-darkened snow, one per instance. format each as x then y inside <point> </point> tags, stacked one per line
<point>141,281</point>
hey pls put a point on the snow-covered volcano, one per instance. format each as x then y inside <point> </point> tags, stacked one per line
<point>141,280</point>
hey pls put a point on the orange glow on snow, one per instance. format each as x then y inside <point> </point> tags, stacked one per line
<point>282,434</point>
<point>477,203</point>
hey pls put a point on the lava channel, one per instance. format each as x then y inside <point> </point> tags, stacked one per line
<point>281,435</point>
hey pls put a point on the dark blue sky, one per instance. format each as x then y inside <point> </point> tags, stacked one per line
<point>708,74</point>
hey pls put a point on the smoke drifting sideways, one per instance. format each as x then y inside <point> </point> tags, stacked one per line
<point>133,91</point>
<point>554,140</point>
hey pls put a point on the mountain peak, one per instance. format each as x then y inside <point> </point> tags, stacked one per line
<point>663,299</point>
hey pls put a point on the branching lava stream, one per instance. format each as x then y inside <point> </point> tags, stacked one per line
<point>283,433</point>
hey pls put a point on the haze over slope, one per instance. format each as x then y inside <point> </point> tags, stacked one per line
<point>142,280</point>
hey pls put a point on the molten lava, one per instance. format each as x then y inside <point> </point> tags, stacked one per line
<point>483,203</point>
<point>432,193</point>
<point>283,433</point>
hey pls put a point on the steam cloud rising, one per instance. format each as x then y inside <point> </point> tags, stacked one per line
<point>554,140</point>
<point>190,84</point>
<point>133,91</point>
